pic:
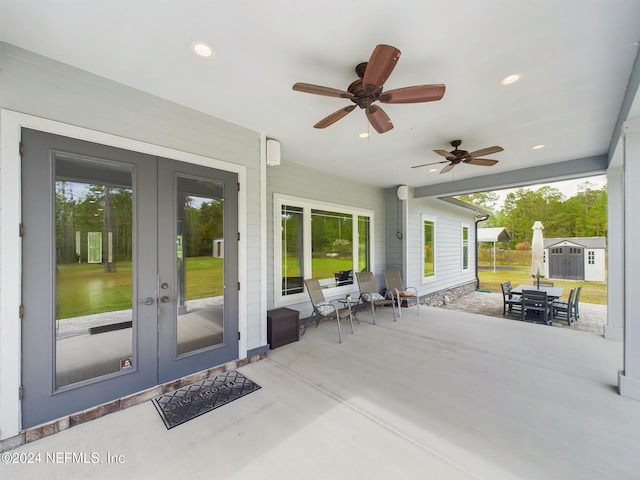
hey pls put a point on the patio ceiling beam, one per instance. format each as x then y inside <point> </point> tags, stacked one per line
<point>553,172</point>
<point>630,105</point>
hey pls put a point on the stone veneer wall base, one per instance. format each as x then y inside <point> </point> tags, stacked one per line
<point>448,295</point>
<point>40,431</point>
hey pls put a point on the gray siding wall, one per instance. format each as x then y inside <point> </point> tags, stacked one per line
<point>448,253</point>
<point>41,87</point>
<point>395,224</point>
<point>293,179</point>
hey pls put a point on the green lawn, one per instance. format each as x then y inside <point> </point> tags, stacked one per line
<point>322,267</point>
<point>85,289</point>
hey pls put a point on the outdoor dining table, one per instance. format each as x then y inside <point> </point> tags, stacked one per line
<point>552,292</point>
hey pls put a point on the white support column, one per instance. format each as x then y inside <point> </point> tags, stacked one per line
<point>629,377</point>
<point>614,330</point>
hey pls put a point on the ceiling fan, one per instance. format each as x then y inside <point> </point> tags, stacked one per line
<point>367,89</point>
<point>456,156</point>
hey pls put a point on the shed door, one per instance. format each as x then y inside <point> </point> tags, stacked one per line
<point>566,262</point>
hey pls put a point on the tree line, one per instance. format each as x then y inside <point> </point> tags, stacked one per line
<point>581,215</point>
<point>83,208</point>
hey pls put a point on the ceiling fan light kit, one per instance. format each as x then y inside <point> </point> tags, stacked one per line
<point>367,90</point>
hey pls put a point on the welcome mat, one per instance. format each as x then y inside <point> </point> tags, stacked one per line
<point>189,402</point>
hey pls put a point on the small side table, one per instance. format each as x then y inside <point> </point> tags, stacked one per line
<point>283,327</point>
<point>353,306</point>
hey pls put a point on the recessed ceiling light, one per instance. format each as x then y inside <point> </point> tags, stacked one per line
<point>433,169</point>
<point>510,79</point>
<point>538,147</point>
<point>363,135</point>
<point>202,49</point>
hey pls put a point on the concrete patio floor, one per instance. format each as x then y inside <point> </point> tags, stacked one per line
<point>444,395</point>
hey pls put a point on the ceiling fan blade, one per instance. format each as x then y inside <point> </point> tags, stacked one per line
<point>427,164</point>
<point>319,90</point>
<point>379,119</point>
<point>448,168</point>
<point>444,153</point>
<point>382,62</point>
<point>415,94</point>
<point>485,151</point>
<point>487,162</point>
<point>334,117</point>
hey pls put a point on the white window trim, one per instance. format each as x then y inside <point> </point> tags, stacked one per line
<point>307,206</point>
<point>428,218</point>
<point>462,227</point>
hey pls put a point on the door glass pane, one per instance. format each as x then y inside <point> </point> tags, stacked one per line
<point>332,247</point>
<point>292,250</point>
<point>200,264</point>
<point>93,269</point>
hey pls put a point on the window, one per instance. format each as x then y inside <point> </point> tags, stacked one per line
<point>465,247</point>
<point>327,242</point>
<point>591,257</point>
<point>292,251</point>
<point>428,247</point>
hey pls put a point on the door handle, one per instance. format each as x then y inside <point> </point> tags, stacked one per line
<point>166,299</point>
<point>148,301</point>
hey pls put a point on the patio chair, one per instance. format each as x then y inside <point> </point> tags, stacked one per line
<point>543,283</point>
<point>564,308</point>
<point>510,303</point>
<point>370,296</point>
<point>513,294</point>
<point>576,304</point>
<point>398,292</point>
<point>536,307</point>
<point>325,310</point>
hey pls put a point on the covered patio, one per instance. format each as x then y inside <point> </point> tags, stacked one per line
<point>451,395</point>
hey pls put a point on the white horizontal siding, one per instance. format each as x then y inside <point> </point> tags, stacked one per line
<point>448,245</point>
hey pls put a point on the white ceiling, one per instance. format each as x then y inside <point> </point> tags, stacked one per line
<point>575,57</point>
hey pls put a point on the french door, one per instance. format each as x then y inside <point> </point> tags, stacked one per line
<point>130,272</point>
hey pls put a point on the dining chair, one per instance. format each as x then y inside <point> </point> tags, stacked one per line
<point>536,307</point>
<point>370,296</point>
<point>510,303</point>
<point>327,310</point>
<point>398,292</point>
<point>576,304</point>
<point>564,308</point>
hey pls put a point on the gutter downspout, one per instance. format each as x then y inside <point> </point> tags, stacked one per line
<point>478,220</point>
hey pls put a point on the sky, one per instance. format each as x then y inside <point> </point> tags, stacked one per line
<point>568,187</point>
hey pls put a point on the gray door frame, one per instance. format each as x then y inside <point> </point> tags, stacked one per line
<point>41,400</point>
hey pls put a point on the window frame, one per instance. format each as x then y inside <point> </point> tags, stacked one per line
<point>307,206</point>
<point>433,220</point>
<point>462,245</point>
